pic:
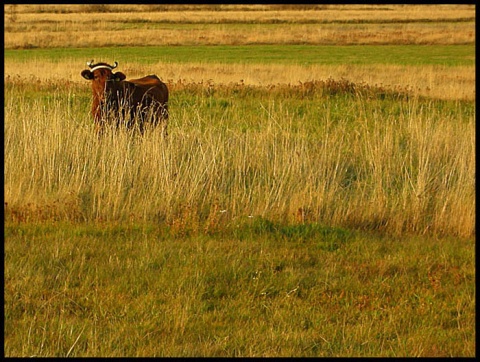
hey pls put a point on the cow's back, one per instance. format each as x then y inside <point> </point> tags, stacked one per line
<point>152,85</point>
<point>149,80</point>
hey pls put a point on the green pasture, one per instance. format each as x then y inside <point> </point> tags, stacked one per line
<point>448,55</point>
<point>262,289</point>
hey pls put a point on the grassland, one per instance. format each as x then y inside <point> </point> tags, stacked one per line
<point>348,154</point>
<point>419,55</point>
<point>268,290</point>
<point>90,26</point>
<point>309,200</point>
<point>424,70</point>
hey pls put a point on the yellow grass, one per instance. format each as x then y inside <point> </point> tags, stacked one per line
<point>26,27</point>
<point>253,13</point>
<point>433,80</point>
<point>103,34</point>
<point>115,287</point>
<point>368,167</point>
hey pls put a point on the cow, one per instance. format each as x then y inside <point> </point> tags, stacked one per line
<point>133,103</point>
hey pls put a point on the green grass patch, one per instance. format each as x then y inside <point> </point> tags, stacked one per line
<point>449,55</point>
<point>109,290</point>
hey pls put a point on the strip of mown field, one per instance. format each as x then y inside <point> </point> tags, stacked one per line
<point>447,55</point>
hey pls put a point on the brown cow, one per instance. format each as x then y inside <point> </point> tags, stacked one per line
<point>131,103</point>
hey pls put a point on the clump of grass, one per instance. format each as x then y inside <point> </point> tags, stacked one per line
<point>320,88</point>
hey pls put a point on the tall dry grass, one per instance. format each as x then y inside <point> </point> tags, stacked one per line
<point>347,160</point>
<point>344,160</point>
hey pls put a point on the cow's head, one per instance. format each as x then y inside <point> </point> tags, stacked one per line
<point>101,74</point>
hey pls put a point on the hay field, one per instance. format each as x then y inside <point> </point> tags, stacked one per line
<point>32,26</point>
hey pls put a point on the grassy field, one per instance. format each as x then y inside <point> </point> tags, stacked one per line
<point>265,290</point>
<point>47,26</point>
<point>347,154</point>
<point>310,200</point>
<point>419,55</point>
<point>436,71</point>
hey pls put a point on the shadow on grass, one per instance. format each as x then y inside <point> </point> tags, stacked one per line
<point>324,237</point>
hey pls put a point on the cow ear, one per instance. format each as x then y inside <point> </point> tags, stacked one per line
<point>88,75</point>
<point>118,76</point>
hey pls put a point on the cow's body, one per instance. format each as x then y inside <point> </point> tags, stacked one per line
<point>134,103</point>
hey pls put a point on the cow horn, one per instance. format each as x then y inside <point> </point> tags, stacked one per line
<point>115,65</point>
<point>90,63</point>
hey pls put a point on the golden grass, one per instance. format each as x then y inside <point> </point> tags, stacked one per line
<point>401,166</point>
<point>387,25</point>
<point>106,35</point>
<point>123,288</point>
<point>248,13</point>
<point>433,80</point>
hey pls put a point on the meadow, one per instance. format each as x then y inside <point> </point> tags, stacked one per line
<point>311,199</point>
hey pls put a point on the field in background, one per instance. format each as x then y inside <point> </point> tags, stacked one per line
<point>311,200</point>
<point>33,26</point>
<point>437,71</point>
<point>293,43</point>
